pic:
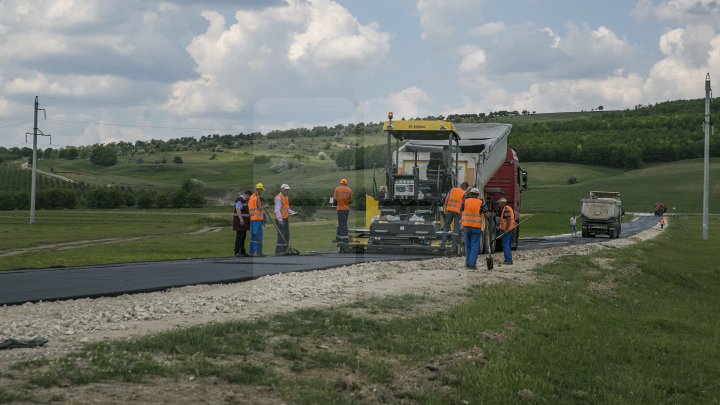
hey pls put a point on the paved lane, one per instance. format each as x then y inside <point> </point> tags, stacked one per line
<point>20,286</point>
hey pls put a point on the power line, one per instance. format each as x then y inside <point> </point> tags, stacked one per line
<point>15,125</point>
<point>99,123</point>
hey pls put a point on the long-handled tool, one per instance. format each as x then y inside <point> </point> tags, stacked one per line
<point>290,250</point>
<point>489,261</point>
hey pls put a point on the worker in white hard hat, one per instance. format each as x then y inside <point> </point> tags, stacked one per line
<point>257,221</point>
<point>474,212</point>
<point>282,220</point>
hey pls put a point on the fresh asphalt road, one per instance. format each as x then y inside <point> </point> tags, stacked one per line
<point>32,285</point>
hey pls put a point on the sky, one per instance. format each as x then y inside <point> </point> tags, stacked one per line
<point>109,71</point>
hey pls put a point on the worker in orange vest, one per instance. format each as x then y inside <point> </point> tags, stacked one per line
<point>507,228</point>
<point>472,222</point>
<point>662,223</point>
<point>342,198</point>
<point>452,207</point>
<point>282,220</point>
<point>257,221</point>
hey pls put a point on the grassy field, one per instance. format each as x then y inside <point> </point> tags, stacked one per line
<point>678,184</point>
<point>227,170</point>
<point>631,325</point>
<point>64,238</point>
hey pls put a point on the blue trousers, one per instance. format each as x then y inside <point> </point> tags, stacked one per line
<point>506,242</point>
<point>451,217</point>
<point>256,237</point>
<point>473,236</point>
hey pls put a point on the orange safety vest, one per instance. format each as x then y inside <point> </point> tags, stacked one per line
<point>471,215</point>
<point>507,224</point>
<point>343,196</point>
<point>455,200</point>
<point>285,207</point>
<point>256,214</point>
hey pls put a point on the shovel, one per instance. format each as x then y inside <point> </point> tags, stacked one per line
<point>290,250</point>
<point>489,261</point>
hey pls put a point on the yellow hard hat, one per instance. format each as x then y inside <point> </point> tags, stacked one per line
<point>260,186</point>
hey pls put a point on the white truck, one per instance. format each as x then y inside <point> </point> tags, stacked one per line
<point>602,214</point>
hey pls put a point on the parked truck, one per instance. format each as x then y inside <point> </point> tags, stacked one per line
<point>429,158</point>
<point>602,214</point>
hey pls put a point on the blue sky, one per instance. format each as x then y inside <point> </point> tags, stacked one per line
<point>110,71</point>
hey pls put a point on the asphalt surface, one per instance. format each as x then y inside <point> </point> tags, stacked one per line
<point>32,285</point>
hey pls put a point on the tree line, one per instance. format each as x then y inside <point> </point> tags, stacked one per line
<point>625,139</point>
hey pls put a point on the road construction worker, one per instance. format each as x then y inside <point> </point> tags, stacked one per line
<point>507,228</point>
<point>662,223</point>
<point>452,206</point>
<point>241,222</point>
<point>257,220</point>
<point>282,220</point>
<point>474,209</point>
<point>342,198</point>
<point>573,225</point>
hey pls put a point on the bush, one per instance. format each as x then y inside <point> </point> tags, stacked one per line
<point>145,199</point>
<point>259,159</point>
<point>103,156</point>
<point>572,180</point>
<point>162,200</point>
<point>178,160</point>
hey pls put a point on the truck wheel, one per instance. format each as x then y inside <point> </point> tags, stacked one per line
<point>584,233</point>
<point>612,233</point>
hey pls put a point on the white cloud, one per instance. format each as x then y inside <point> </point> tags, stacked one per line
<point>473,60</point>
<point>408,103</point>
<point>489,29</point>
<point>333,37</point>
<point>299,49</point>
<point>527,53</point>
<point>440,19</point>
<point>679,11</point>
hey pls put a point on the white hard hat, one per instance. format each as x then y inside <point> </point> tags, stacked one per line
<point>474,191</point>
<point>284,187</point>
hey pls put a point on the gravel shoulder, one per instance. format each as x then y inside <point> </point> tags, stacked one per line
<point>69,325</point>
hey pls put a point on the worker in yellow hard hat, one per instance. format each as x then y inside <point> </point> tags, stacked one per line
<point>257,220</point>
<point>342,198</point>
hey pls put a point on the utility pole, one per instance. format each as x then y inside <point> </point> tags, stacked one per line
<point>706,168</point>
<point>33,187</point>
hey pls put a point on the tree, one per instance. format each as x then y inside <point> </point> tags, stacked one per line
<point>103,156</point>
<point>178,160</point>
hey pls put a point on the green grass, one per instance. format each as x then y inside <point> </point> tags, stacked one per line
<point>641,328</point>
<point>230,170</point>
<point>146,235</point>
<point>678,185</point>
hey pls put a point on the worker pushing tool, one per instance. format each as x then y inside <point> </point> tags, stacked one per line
<point>507,227</point>
<point>281,218</point>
